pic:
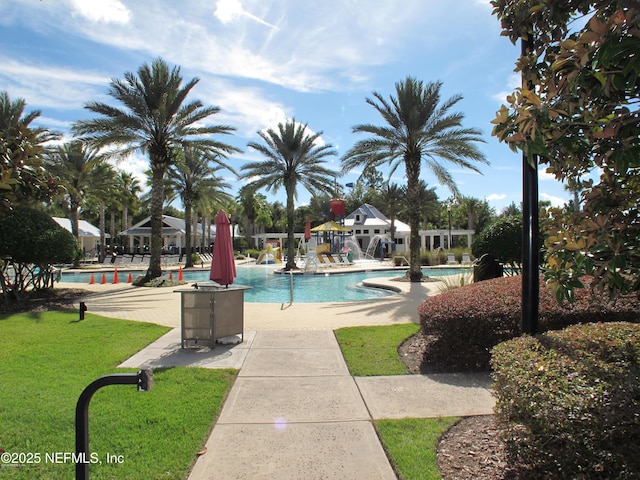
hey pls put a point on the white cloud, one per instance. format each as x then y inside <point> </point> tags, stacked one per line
<point>104,11</point>
<point>555,201</point>
<point>47,86</point>
<point>135,165</point>
<point>514,81</point>
<point>544,176</point>
<point>495,197</point>
<point>228,11</point>
<point>247,109</point>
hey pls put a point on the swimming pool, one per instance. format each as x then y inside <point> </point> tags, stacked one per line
<point>268,287</point>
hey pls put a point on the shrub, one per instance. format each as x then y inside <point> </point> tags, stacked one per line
<point>569,400</point>
<point>253,253</point>
<point>30,243</point>
<point>502,239</point>
<point>467,322</point>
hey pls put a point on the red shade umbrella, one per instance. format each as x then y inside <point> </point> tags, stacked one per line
<point>307,230</point>
<point>223,265</point>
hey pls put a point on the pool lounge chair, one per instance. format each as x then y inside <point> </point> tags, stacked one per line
<point>466,259</point>
<point>344,260</point>
<point>451,259</point>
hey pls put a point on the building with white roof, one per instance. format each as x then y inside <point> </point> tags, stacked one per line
<point>88,233</point>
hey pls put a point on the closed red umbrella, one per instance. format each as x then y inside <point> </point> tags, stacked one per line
<point>307,230</point>
<point>223,265</point>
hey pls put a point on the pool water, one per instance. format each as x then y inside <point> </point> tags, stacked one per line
<point>268,287</point>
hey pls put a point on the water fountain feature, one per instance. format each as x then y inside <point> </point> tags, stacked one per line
<point>355,249</point>
<point>372,249</point>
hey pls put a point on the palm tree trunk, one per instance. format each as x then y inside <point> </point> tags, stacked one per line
<point>188,222</point>
<point>75,229</point>
<point>291,244</point>
<point>157,199</point>
<point>412,167</point>
<point>125,220</point>
<point>103,236</point>
<point>113,228</point>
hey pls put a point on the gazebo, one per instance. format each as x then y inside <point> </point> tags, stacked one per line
<point>173,232</point>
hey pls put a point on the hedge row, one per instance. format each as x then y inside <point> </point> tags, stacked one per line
<point>465,323</point>
<point>569,401</point>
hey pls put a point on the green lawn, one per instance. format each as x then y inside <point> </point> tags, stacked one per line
<point>49,358</point>
<point>371,351</point>
<point>410,443</point>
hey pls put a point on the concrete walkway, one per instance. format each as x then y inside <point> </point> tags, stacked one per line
<point>294,411</point>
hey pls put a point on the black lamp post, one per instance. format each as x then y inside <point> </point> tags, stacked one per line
<point>530,229</point>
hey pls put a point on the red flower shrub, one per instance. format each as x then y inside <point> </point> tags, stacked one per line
<point>465,323</point>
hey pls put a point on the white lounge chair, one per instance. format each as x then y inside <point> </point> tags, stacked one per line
<point>451,259</point>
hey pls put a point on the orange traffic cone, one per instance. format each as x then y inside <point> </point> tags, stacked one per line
<point>180,274</point>
<point>170,275</point>
<point>129,279</point>
<point>92,280</point>
<point>104,279</point>
<point>115,276</point>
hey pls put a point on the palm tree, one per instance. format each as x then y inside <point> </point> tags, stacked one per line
<point>391,198</point>
<point>129,190</point>
<point>249,208</point>
<point>417,128</point>
<point>155,119</point>
<point>293,157</point>
<point>22,150</point>
<point>192,178</point>
<point>81,170</point>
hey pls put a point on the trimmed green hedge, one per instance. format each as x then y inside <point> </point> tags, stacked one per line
<point>569,401</point>
<point>465,323</point>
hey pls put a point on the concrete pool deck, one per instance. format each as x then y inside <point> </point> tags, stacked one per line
<point>294,410</point>
<point>162,306</point>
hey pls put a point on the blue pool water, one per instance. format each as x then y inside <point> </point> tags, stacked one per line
<point>268,287</point>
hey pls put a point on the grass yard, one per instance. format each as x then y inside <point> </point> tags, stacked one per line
<point>49,358</point>
<point>371,351</point>
<point>411,442</point>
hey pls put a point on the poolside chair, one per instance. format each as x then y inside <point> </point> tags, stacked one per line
<point>466,259</point>
<point>344,260</point>
<point>451,259</point>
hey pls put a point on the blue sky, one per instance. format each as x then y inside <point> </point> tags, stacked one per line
<point>263,62</point>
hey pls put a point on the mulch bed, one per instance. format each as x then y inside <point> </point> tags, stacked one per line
<point>470,449</point>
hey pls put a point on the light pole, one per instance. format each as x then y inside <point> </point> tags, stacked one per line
<point>530,228</point>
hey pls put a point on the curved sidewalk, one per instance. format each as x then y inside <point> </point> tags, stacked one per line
<point>295,411</point>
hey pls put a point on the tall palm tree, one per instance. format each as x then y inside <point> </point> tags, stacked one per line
<point>192,178</point>
<point>155,119</point>
<point>81,170</point>
<point>391,198</point>
<point>472,207</point>
<point>129,190</point>
<point>293,157</point>
<point>418,128</point>
<point>22,150</point>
